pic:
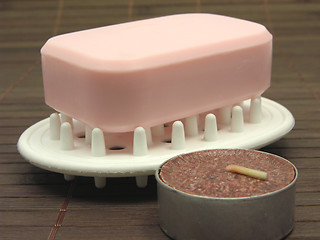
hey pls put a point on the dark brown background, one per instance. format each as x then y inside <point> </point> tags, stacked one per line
<point>36,204</point>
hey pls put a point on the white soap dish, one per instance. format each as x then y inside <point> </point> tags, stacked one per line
<point>64,145</point>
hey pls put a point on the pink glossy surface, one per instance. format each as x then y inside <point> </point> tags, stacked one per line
<point>153,71</point>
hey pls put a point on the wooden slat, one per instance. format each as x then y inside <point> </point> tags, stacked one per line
<point>24,232</point>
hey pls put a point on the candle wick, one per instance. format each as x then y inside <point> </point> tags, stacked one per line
<point>247,171</point>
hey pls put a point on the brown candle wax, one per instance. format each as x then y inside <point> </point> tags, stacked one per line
<point>204,173</point>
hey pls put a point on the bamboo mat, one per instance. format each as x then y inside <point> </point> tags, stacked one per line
<point>37,204</point>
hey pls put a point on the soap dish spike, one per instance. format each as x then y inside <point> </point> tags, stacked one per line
<point>210,128</point>
<point>140,146</point>
<point>141,139</point>
<point>178,140</point>
<point>68,177</point>
<point>100,182</point>
<point>55,125</point>
<point>142,181</point>
<point>255,114</point>
<point>98,148</point>
<point>237,122</point>
<point>66,137</point>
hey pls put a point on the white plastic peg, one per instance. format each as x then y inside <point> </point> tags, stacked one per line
<point>68,177</point>
<point>98,148</point>
<point>237,122</point>
<point>55,125</point>
<point>142,181</point>
<point>178,140</point>
<point>100,182</point>
<point>255,110</point>
<point>210,128</point>
<point>66,137</point>
<point>140,146</point>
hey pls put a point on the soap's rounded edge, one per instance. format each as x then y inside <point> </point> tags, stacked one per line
<point>138,64</point>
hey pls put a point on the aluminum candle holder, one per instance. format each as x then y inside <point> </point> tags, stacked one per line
<point>265,217</point>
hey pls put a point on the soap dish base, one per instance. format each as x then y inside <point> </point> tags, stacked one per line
<point>124,158</point>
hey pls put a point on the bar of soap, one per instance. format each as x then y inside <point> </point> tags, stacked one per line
<point>153,71</point>
<point>204,173</point>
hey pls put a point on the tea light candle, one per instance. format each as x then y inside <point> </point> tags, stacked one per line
<point>204,173</point>
<point>201,195</point>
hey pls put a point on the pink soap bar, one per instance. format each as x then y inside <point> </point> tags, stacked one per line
<point>149,72</point>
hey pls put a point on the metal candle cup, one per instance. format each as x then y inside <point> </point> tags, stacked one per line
<point>186,216</point>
